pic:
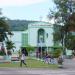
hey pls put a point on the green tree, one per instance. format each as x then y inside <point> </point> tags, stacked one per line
<point>4,27</point>
<point>4,31</point>
<point>70,40</point>
<point>56,34</point>
<point>10,46</point>
<point>63,16</point>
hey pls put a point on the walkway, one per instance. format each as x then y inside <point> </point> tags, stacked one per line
<point>26,71</point>
<point>69,63</point>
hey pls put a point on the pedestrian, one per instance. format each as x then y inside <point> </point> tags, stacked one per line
<point>60,62</point>
<point>52,59</point>
<point>47,58</point>
<point>22,60</point>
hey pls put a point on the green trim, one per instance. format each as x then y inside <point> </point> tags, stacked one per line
<point>24,39</point>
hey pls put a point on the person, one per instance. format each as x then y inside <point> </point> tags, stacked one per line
<point>23,57</point>
<point>47,58</point>
<point>52,59</point>
<point>60,62</point>
<point>24,51</point>
<point>23,60</point>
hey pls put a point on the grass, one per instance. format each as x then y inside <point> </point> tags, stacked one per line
<point>31,63</point>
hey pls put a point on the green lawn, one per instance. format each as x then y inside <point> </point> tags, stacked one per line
<point>31,63</point>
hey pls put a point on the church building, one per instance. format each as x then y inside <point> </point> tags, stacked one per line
<point>38,35</point>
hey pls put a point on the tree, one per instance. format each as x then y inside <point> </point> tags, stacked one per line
<point>56,34</point>
<point>9,46</point>
<point>70,40</point>
<point>4,31</point>
<point>4,27</point>
<point>63,16</point>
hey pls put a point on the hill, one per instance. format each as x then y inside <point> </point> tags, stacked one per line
<point>19,25</point>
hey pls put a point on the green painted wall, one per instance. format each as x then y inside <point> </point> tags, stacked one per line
<point>24,39</point>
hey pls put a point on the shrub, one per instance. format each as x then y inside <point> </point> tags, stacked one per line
<point>56,53</point>
<point>9,45</point>
<point>30,48</point>
<point>2,53</point>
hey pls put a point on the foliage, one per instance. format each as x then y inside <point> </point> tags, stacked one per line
<point>9,45</point>
<point>57,36</point>
<point>64,15</point>
<point>2,53</point>
<point>4,24</point>
<point>71,21</point>
<point>30,48</point>
<point>56,53</point>
<point>59,16</point>
<point>19,25</point>
<point>70,41</point>
<point>57,33</point>
<point>4,27</point>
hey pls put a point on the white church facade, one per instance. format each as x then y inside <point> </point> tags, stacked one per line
<point>38,35</point>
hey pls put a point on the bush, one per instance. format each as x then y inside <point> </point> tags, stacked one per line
<point>30,48</point>
<point>9,45</point>
<point>2,53</point>
<point>56,53</point>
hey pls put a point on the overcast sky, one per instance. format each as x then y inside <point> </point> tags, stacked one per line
<point>26,9</point>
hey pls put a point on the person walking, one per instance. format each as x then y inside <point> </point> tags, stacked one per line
<point>23,60</point>
<point>23,55</point>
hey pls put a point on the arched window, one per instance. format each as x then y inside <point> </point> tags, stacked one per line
<point>41,34</point>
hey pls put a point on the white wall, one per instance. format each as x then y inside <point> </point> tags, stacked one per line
<point>49,39</point>
<point>16,39</point>
<point>33,35</point>
<point>32,38</point>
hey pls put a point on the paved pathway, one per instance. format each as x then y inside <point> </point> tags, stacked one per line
<point>26,71</point>
<point>69,63</point>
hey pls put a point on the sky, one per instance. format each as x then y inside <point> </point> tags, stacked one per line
<point>26,9</point>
